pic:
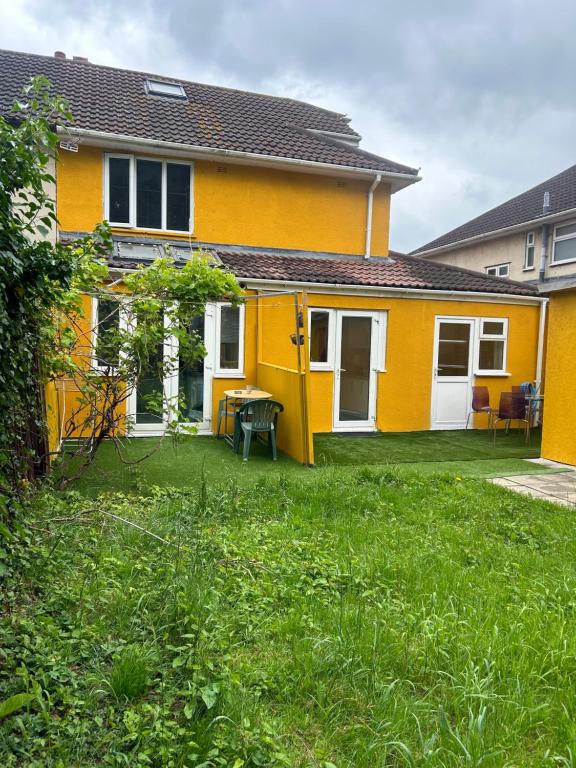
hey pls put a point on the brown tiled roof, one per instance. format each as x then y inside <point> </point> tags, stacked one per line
<point>115,101</point>
<point>395,271</point>
<point>526,207</point>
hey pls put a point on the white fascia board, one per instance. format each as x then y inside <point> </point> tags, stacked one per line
<point>389,292</point>
<point>134,144</point>
<point>496,233</point>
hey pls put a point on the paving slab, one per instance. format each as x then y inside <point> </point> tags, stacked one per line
<point>559,488</point>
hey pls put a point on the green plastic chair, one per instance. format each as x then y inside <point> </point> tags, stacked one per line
<point>257,416</point>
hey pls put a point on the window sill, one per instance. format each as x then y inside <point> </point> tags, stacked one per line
<point>147,230</point>
<point>229,375</point>
<point>318,369</point>
<point>528,269</point>
<point>561,263</point>
<point>493,374</point>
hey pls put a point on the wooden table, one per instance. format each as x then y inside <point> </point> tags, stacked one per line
<point>243,395</point>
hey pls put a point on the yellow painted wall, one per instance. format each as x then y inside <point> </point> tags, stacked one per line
<point>558,434</point>
<point>404,391</point>
<point>244,205</point>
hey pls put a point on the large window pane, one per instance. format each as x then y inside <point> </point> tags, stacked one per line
<point>319,326</point>
<point>565,249</point>
<point>191,381</point>
<point>178,197</point>
<point>567,229</point>
<point>491,355</point>
<point>355,369</point>
<point>453,349</point>
<point>149,194</point>
<point>119,190</point>
<point>229,338</point>
<point>108,317</point>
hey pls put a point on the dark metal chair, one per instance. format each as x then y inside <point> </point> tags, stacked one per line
<point>481,404</point>
<point>512,407</point>
<point>257,417</point>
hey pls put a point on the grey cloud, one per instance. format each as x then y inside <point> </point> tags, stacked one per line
<point>478,93</point>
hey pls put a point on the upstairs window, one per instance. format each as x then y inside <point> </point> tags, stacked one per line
<point>499,270</point>
<point>493,334</point>
<point>529,253</point>
<point>564,248</point>
<point>151,194</point>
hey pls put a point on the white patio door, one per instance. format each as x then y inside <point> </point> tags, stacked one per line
<point>355,370</point>
<point>452,373</point>
<point>150,407</point>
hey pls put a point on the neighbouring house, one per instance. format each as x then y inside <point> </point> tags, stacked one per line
<point>280,193</point>
<point>530,238</point>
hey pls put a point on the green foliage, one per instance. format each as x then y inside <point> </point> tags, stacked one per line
<point>36,276</point>
<point>129,675</point>
<point>367,618</point>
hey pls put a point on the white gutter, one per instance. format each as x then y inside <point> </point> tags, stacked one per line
<point>493,234</point>
<point>398,180</point>
<point>377,180</point>
<point>380,291</point>
<point>540,352</point>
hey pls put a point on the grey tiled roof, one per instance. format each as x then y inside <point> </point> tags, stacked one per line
<point>395,271</point>
<point>115,101</point>
<point>523,208</point>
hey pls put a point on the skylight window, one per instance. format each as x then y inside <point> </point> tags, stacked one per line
<point>162,88</point>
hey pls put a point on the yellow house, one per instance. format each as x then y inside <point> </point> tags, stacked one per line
<point>348,336</point>
<point>558,438</point>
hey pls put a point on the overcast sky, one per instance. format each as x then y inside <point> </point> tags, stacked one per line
<point>478,93</point>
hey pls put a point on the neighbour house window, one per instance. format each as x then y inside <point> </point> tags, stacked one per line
<point>321,339</point>
<point>499,270</point>
<point>529,253</point>
<point>230,340</point>
<point>106,314</point>
<point>152,194</point>
<point>493,335</point>
<point>564,243</point>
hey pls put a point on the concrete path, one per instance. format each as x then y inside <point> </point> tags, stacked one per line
<point>559,487</point>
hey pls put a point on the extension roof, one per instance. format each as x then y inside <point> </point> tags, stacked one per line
<point>526,208</point>
<point>115,101</point>
<point>281,265</point>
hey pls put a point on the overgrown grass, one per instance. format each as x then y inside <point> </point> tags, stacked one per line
<point>372,618</point>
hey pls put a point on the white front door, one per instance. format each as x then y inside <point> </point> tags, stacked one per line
<point>355,370</point>
<point>149,406</point>
<point>452,373</point>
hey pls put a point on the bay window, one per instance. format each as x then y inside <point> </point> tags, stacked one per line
<point>151,194</point>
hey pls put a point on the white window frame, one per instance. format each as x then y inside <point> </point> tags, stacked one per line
<point>559,238</point>
<point>132,192</point>
<point>530,243</point>
<point>229,373</point>
<point>380,319</point>
<point>482,336</point>
<point>497,268</point>
<point>329,364</point>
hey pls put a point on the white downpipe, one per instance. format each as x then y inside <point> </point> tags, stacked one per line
<point>540,352</point>
<point>377,180</point>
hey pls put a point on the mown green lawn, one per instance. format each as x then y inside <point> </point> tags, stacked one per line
<point>373,617</point>
<point>182,464</point>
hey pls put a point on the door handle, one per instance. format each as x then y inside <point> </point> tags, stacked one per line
<point>342,370</point>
